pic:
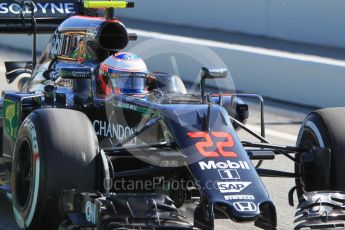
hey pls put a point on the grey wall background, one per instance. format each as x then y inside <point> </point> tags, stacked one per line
<point>320,22</point>
<point>22,41</point>
<point>308,81</point>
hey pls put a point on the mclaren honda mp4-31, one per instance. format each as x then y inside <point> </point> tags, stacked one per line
<point>92,140</point>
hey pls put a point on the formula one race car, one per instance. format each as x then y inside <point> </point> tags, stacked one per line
<point>92,140</point>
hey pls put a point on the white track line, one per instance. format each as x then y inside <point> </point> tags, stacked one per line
<point>243,48</point>
<point>278,134</point>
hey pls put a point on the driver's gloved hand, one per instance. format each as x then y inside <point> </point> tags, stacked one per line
<point>151,82</point>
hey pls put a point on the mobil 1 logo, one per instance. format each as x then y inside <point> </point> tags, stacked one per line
<point>229,174</point>
<point>207,165</point>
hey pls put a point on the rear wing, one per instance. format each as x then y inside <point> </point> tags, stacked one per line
<point>20,16</point>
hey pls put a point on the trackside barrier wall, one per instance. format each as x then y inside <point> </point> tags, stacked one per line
<point>311,21</point>
<point>306,81</point>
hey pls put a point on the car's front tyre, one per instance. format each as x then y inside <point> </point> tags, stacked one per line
<point>325,128</point>
<point>55,150</point>
<point>320,194</point>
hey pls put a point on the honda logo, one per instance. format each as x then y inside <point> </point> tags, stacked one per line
<point>244,206</point>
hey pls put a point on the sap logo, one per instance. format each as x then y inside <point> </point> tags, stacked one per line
<point>53,8</point>
<point>103,128</point>
<point>231,187</point>
<point>223,165</point>
<point>244,206</point>
<point>90,212</point>
<point>239,197</point>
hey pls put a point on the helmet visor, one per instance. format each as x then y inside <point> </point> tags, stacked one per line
<point>128,82</point>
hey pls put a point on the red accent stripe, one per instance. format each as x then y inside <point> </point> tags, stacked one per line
<point>36,156</point>
<point>96,18</point>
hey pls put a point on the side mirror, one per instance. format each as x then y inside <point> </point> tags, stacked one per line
<point>76,73</point>
<point>132,36</point>
<point>210,74</point>
<point>213,73</point>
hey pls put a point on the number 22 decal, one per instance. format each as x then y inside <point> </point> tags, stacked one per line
<point>227,141</point>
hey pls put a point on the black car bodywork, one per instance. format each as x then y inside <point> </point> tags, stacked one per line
<point>164,133</point>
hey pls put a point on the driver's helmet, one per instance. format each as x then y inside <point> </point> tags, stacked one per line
<point>122,73</point>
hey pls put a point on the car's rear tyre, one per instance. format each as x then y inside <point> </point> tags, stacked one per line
<point>55,150</point>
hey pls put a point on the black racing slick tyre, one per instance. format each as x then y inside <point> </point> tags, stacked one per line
<point>324,128</point>
<point>55,150</point>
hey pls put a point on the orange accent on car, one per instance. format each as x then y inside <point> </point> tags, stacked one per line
<point>201,145</point>
<point>228,143</point>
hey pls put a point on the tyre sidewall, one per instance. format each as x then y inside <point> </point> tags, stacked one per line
<point>25,217</point>
<point>66,159</point>
<point>327,127</point>
<point>315,125</point>
<point>314,128</point>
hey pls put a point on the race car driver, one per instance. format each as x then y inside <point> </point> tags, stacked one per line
<point>123,73</point>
